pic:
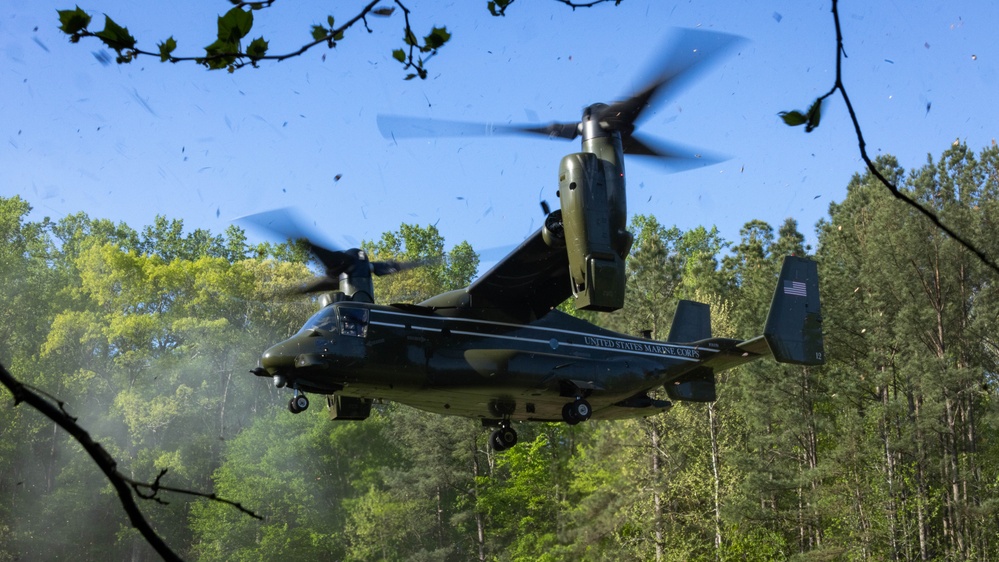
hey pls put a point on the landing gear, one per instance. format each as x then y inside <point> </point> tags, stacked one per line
<point>298,404</point>
<point>503,438</point>
<point>575,412</point>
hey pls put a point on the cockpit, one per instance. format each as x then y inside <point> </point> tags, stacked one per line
<point>348,320</point>
<point>325,319</point>
<point>354,321</point>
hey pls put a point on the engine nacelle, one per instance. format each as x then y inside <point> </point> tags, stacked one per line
<point>594,218</point>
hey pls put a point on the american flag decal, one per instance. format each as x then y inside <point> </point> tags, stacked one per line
<point>796,288</point>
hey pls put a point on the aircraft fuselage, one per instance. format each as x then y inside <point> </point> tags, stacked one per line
<point>473,367</point>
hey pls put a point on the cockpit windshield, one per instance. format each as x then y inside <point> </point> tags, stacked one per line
<point>325,319</point>
<point>353,321</point>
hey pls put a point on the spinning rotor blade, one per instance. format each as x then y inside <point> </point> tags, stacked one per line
<point>287,224</point>
<point>682,60</point>
<point>398,126</point>
<point>675,157</point>
<point>317,285</point>
<point>392,266</point>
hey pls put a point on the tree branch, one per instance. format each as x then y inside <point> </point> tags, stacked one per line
<point>811,120</point>
<point>107,464</point>
<point>226,52</point>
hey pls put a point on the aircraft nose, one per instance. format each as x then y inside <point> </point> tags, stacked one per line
<point>278,357</point>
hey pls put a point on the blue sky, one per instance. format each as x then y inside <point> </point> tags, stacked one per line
<point>130,142</point>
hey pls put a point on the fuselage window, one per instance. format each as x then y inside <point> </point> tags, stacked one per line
<point>354,321</point>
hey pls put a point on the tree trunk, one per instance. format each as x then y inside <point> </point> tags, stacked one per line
<point>657,510</point>
<point>716,474</point>
<point>480,525</point>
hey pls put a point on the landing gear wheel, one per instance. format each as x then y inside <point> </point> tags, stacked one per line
<point>495,441</point>
<point>575,412</point>
<point>298,404</point>
<point>503,438</point>
<point>568,416</point>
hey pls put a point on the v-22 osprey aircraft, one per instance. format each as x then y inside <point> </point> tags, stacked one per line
<point>498,350</point>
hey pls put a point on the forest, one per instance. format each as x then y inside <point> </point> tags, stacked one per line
<point>887,452</point>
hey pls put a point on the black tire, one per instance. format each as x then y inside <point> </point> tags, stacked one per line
<point>581,410</point>
<point>508,436</point>
<point>292,407</point>
<point>496,441</point>
<point>301,402</point>
<point>569,414</point>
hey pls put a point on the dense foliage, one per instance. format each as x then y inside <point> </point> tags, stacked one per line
<point>887,452</point>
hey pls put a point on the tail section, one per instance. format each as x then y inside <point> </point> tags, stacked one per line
<point>794,324</point>
<point>691,322</point>
<point>792,334</point>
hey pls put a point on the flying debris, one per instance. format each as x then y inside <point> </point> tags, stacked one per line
<point>102,57</point>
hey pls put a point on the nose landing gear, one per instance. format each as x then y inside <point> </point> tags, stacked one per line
<point>299,403</point>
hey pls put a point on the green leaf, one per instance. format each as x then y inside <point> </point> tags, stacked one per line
<point>793,118</point>
<point>73,21</point>
<point>498,8</point>
<point>399,55</point>
<point>329,20</point>
<point>814,116</point>
<point>213,53</point>
<point>166,48</point>
<point>438,36</point>
<point>319,32</point>
<point>257,48</point>
<point>234,25</point>
<point>809,119</point>
<point>115,36</point>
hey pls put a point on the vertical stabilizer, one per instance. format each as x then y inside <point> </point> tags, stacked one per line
<point>794,323</point>
<point>691,322</point>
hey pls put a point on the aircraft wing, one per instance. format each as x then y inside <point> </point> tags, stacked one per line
<point>529,282</point>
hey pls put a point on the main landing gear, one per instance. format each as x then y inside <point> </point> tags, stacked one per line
<point>572,413</point>
<point>504,437</point>
<point>575,412</point>
<point>299,403</point>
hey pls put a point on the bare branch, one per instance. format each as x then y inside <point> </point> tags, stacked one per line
<point>155,488</point>
<point>838,85</point>
<point>107,464</point>
<point>590,4</point>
